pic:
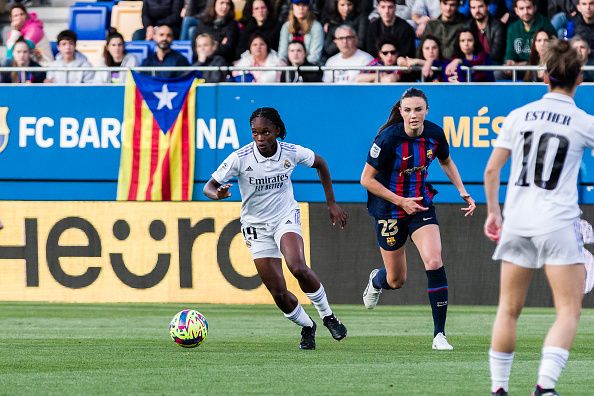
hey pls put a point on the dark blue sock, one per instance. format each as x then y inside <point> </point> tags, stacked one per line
<point>379,281</point>
<point>437,289</point>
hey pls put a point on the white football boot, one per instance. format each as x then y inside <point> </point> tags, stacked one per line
<point>441,343</point>
<point>371,294</point>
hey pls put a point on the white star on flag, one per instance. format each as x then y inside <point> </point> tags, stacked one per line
<point>165,97</point>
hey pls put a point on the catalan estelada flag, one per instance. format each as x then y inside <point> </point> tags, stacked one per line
<point>158,139</point>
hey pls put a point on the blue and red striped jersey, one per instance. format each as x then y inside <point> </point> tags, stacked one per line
<point>402,163</point>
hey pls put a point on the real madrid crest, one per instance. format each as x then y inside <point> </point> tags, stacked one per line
<point>287,164</point>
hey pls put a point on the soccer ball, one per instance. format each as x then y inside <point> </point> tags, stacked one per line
<point>188,328</point>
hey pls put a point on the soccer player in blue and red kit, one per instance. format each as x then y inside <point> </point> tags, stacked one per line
<point>400,201</point>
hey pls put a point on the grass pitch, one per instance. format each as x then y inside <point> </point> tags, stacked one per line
<point>71,349</point>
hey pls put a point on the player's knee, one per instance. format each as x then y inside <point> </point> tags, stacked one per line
<point>433,263</point>
<point>300,271</point>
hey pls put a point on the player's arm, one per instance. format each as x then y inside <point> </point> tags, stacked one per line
<point>215,190</point>
<point>336,213</point>
<point>451,171</point>
<point>368,180</point>
<point>492,179</point>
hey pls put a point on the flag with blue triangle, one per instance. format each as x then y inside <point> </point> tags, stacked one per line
<point>158,138</point>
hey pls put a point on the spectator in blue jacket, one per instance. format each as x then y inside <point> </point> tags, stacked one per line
<point>164,55</point>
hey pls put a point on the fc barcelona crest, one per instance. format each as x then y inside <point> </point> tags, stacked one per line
<point>4,131</point>
<point>429,154</point>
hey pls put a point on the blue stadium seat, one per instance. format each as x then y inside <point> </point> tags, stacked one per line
<point>107,4</point>
<point>88,22</point>
<point>184,47</point>
<point>140,49</point>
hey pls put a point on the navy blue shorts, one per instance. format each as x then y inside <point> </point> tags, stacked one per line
<point>392,234</point>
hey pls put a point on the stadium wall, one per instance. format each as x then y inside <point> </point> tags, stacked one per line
<point>194,252</point>
<point>63,142</point>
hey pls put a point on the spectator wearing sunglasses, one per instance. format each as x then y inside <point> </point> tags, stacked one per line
<point>387,56</point>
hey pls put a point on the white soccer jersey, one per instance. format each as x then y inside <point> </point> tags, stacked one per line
<point>547,139</point>
<point>264,183</point>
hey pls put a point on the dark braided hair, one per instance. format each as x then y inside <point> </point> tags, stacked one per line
<point>395,116</point>
<point>271,114</point>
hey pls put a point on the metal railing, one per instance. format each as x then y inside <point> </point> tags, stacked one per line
<point>245,69</point>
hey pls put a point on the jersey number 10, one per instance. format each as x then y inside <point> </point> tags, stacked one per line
<point>541,154</point>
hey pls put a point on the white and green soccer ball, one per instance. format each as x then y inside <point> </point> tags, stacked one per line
<point>188,328</point>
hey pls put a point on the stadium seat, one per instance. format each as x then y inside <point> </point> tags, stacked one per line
<point>92,49</point>
<point>126,17</point>
<point>140,49</point>
<point>184,47</point>
<point>108,5</point>
<point>88,22</point>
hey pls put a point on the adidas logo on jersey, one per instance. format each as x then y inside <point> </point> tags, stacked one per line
<point>249,169</point>
<point>288,222</point>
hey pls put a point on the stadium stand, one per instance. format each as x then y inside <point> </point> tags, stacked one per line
<point>92,49</point>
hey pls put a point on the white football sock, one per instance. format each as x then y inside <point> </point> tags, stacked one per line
<point>500,364</point>
<point>552,363</point>
<point>320,301</point>
<point>299,317</point>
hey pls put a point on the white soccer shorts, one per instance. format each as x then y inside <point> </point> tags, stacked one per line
<point>560,247</point>
<point>263,240</point>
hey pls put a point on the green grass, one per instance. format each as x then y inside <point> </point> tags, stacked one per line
<point>125,349</point>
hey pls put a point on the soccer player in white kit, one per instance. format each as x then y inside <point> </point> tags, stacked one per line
<point>541,225</point>
<point>270,220</point>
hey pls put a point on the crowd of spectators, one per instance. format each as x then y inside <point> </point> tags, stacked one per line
<point>435,40</point>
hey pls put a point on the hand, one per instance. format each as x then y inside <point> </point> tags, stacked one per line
<point>492,227</point>
<point>452,67</point>
<point>326,25</point>
<point>411,206</point>
<point>183,12</point>
<point>471,206</point>
<point>504,18</point>
<point>223,191</point>
<point>337,215</point>
<point>427,72</point>
<point>421,29</point>
<point>388,77</point>
<point>150,33</point>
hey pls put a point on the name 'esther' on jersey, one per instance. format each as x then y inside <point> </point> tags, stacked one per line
<point>264,183</point>
<point>547,139</point>
<point>402,162</point>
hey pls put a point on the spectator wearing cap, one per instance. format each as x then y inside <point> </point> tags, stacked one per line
<point>164,56</point>
<point>390,24</point>
<point>349,55</point>
<point>303,26</point>
<point>298,57</point>
<point>27,26</point>
<point>156,13</point>
<point>68,56</point>
<point>446,27</point>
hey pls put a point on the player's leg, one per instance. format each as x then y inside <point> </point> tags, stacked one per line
<point>291,246</point>
<point>391,235</point>
<point>514,282</point>
<point>391,276</point>
<point>427,239</point>
<point>566,283</point>
<point>271,272</point>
